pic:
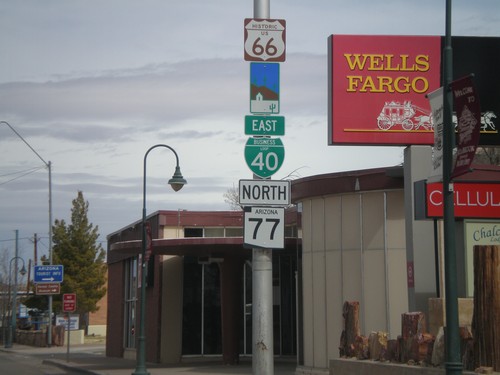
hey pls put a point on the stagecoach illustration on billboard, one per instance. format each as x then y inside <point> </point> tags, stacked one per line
<point>408,115</point>
<point>412,117</point>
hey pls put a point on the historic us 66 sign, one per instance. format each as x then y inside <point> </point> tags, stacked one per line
<point>265,40</point>
<point>264,156</point>
<point>264,227</point>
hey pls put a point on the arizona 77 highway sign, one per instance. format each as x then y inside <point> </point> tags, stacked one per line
<point>264,227</point>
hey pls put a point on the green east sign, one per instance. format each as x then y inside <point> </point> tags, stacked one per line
<point>264,156</point>
<point>265,125</point>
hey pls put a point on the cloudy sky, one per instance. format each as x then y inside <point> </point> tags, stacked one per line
<point>91,85</point>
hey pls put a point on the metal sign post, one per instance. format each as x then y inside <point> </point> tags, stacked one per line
<point>264,42</point>
<point>69,306</point>
<point>69,330</point>
<point>262,284</point>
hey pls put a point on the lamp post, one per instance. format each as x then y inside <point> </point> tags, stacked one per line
<point>177,182</point>
<point>13,310</point>
<point>453,364</point>
<point>49,168</point>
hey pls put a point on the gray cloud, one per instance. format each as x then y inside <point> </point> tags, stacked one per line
<point>91,86</point>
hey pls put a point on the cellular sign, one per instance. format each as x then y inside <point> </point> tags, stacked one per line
<point>265,40</point>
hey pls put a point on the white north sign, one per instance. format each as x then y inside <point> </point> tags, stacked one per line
<point>264,193</point>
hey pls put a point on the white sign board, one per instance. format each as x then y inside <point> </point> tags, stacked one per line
<point>478,233</point>
<point>265,40</point>
<point>264,227</point>
<point>74,321</point>
<point>264,193</point>
<point>436,102</point>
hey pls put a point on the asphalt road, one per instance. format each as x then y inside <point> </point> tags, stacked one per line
<point>22,364</point>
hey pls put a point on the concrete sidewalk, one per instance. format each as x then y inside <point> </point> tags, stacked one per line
<point>90,359</point>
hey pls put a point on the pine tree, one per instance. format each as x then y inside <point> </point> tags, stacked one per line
<point>75,247</point>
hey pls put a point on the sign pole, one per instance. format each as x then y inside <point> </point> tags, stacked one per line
<point>453,364</point>
<point>262,312</point>
<point>69,306</point>
<point>262,282</point>
<point>69,330</point>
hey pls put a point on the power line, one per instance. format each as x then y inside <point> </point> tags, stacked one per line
<point>29,171</point>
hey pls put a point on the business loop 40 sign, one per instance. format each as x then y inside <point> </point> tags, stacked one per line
<point>264,156</point>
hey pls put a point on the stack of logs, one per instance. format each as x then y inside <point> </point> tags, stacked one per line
<point>480,344</point>
<point>414,345</point>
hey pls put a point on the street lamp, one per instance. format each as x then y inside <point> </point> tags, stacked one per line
<point>453,363</point>
<point>13,310</point>
<point>49,167</point>
<point>177,182</point>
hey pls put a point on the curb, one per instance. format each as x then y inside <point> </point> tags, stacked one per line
<point>69,366</point>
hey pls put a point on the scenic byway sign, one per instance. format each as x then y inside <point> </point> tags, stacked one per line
<point>264,227</point>
<point>49,274</point>
<point>264,193</point>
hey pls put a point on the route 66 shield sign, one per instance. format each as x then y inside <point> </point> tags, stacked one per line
<point>265,40</point>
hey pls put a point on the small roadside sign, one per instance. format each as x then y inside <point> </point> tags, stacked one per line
<point>47,288</point>
<point>73,323</point>
<point>265,88</point>
<point>48,274</point>
<point>265,125</point>
<point>264,193</point>
<point>69,302</point>
<point>265,40</point>
<point>264,227</point>
<point>264,156</point>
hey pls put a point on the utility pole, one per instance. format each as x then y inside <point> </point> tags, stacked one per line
<point>35,249</point>
<point>14,294</point>
<point>49,167</point>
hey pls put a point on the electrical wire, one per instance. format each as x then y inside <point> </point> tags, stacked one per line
<point>25,173</point>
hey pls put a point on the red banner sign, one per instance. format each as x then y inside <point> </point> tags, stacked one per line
<point>149,241</point>
<point>377,88</point>
<point>468,123</point>
<point>471,200</point>
<point>69,302</point>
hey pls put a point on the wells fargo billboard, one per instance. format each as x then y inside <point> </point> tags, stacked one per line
<point>378,86</point>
